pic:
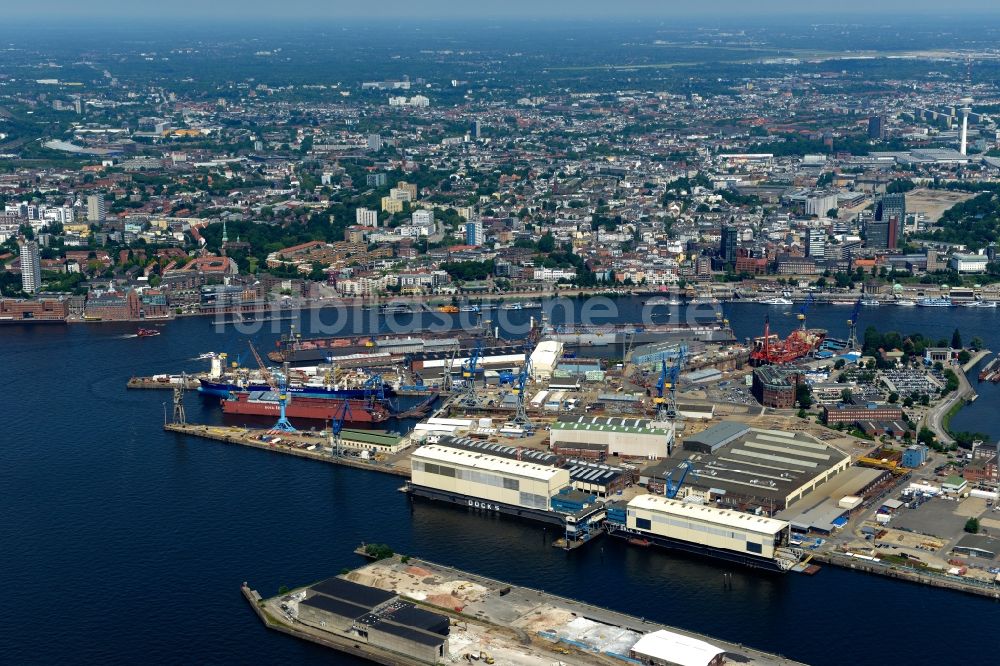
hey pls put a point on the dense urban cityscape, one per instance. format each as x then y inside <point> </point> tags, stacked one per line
<point>714,298</point>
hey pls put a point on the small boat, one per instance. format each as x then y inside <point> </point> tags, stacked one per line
<point>469,308</point>
<point>512,306</point>
<point>147,332</point>
<point>448,309</point>
<point>981,304</point>
<point>934,303</point>
<point>906,303</point>
<point>778,300</point>
<point>872,302</point>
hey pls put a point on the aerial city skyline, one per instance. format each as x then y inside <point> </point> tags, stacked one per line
<point>512,333</point>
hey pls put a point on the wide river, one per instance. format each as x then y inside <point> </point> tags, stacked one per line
<point>121,543</point>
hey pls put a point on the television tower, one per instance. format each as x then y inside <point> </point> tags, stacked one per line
<point>966,102</point>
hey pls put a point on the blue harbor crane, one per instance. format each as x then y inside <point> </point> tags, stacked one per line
<point>804,309</point>
<point>521,415</point>
<point>852,336</point>
<point>336,426</point>
<point>666,386</point>
<point>470,398</point>
<point>280,386</point>
<point>671,487</point>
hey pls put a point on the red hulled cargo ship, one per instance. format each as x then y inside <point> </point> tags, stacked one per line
<point>265,403</point>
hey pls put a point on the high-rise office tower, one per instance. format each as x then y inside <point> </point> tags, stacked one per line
<point>891,205</point>
<point>730,241</point>
<point>31,269</point>
<point>876,128</point>
<point>96,212</point>
<point>474,232</point>
<point>816,243</point>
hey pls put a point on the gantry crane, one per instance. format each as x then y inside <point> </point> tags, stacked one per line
<point>666,386</point>
<point>521,415</point>
<point>280,387</point>
<point>336,426</point>
<point>470,398</point>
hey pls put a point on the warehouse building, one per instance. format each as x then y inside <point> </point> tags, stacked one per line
<point>750,469</point>
<point>624,437</point>
<point>544,359</point>
<point>834,414</point>
<point>515,487</point>
<point>596,478</point>
<point>376,617</point>
<point>372,440</point>
<point>666,648</point>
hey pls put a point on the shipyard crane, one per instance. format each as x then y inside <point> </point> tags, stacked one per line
<point>666,386</point>
<point>804,309</point>
<point>470,398</point>
<point>852,336</point>
<point>446,380</point>
<point>278,385</point>
<point>336,426</point>
<point>671,487</point>
<point>521,415</point>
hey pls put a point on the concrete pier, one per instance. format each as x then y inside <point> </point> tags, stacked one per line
<point>293,444</point>
<point>512,624</point>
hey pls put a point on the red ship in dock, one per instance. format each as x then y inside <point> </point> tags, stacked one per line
<point>266,403</point>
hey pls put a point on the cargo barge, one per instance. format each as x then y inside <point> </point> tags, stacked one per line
<point>266,403</point>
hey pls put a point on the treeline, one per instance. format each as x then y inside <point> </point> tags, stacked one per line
<point>974,223</point>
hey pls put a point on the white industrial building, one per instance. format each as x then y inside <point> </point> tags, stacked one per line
<point>666,648</point>
<point>721,529</point>
<point>629,438</point>
<point>968,263</point>
<point>474,476</point>
<point>545,358</point>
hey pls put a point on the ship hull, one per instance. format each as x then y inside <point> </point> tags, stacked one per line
<point>316,409</point>
<point>223,389</point>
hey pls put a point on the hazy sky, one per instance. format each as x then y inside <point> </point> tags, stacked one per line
<point>243,10</point>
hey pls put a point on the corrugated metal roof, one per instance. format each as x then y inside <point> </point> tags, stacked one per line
<point>475,460</point>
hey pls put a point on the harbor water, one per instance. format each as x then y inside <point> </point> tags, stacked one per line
<point>121,543</point>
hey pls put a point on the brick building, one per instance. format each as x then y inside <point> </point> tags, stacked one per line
<point>834,414</point>
<point>775,387</point>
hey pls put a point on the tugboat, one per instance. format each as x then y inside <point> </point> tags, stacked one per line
<point>146,332</point>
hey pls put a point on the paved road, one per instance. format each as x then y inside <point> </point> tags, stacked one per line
<point>935,416</point>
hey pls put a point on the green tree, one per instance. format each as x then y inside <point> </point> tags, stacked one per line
<point>972,526</point>
<point>976,343</point>
<point>546,243</point>
<point>893,398</point>
<point>845,395</point>
<point>925,436</point>
<point>956,340</point>
<point>803,395</point>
